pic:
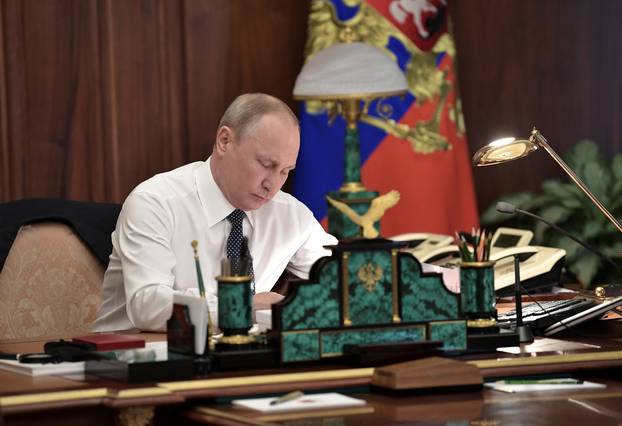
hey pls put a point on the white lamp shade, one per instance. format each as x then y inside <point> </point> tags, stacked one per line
<point>349,70</point>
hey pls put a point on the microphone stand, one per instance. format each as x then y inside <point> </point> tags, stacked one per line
<point>524,331</point>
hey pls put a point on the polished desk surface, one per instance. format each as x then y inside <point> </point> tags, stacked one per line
<point>76,398</point>
<point>486,407</point>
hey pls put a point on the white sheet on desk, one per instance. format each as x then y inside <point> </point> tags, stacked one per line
<point>537,387</point>
<point>305,402</point>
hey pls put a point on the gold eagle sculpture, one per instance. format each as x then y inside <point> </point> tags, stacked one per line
<point>376,210</point>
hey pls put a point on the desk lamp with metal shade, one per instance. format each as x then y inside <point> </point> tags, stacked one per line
<point>508,149</point>
<point>350,75</point>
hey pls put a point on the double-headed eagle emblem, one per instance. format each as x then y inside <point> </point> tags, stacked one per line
<point>376,210</point>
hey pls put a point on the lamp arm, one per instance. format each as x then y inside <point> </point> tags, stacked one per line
<point>541,141</point>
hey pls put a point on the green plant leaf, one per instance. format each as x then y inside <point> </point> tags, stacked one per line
<point>600,233</point>
<point>614,250</point>
<point>598,179</point>
<point>539,233</point>
<point>555,214</point>
<point>556,190</point>
<point>616,167</point>
<point>535,202</point>
<point>580,154</point>
<point>586,267</point>
<point>573,249</point>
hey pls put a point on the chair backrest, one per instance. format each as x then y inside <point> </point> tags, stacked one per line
<point>50,284</point>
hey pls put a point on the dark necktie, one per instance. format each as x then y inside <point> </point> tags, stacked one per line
<point>237,245</point>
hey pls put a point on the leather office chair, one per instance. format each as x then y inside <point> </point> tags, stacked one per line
<point>53,254</point>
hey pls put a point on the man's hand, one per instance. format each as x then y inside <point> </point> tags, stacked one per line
<point>264,300</point>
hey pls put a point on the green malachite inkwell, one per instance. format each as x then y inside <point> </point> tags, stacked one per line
<point>235,304</point>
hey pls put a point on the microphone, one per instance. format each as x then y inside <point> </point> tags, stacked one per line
<point>504,207</point>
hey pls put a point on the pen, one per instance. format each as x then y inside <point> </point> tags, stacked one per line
<point>287,397</point>
<point>194,244</point>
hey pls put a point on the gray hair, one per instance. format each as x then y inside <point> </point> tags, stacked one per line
<point>246,110</point>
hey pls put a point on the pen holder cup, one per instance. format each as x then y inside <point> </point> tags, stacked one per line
<point>477,291</point>
<point>235,307</point>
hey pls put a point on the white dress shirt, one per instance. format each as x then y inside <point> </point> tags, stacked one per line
<point>152,256</point>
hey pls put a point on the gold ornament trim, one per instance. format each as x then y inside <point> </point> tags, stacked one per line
<point>547,359</point>
<point>38,398</point>
<point>345,287</point>
<point>370,275</point>
<point>394,286</point>
<point>237,339</point>
<point>481,323</point>
<point>140,393</point>
<point>352,187</point>
<point>187,385</point>
<point>376,210</point>
<point>233,278</point>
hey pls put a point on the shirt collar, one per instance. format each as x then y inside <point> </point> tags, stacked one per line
<point>216,207</point>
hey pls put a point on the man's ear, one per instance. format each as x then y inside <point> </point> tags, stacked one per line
<point>224,138</point>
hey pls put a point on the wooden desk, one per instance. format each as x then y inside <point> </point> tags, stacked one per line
<point>486,407</point>
<point>88,400</point>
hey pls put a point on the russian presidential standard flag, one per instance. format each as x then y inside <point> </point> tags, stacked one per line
<point>427,158</point>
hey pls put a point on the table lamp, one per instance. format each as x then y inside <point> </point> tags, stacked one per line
<point>350,75</point>
<point>508,149</point>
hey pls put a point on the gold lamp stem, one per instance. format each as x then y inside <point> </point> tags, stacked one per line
<point>351,112</point>
<point>537,138</point>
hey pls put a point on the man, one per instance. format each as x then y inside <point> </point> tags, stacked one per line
<point>256,147</point>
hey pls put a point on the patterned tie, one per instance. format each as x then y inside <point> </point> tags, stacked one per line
<point>237,244</point>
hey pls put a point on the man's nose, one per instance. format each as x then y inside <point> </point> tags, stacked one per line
<point>273,182</point>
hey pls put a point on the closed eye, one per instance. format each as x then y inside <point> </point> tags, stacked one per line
<point>266,164</point>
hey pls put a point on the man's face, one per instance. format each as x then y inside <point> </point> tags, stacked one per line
<point>255,166</point>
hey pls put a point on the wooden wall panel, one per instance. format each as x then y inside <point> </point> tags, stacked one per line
<point>5,164</point>
<point>146,103</point>
<point>207,48</point>
<point>98,95</point>
<point>48,49</point>
<point>256,46</point>
<point>13,101</point>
